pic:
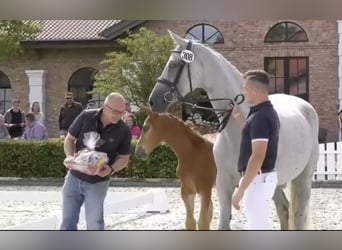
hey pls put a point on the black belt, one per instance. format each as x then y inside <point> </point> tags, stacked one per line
<point>260,172</point>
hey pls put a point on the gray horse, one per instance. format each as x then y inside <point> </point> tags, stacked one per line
<point>193,65</point>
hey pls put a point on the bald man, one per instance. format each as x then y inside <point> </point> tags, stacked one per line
<point>88,187</point>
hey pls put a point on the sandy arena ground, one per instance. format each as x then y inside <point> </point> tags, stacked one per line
<point>325,203</point>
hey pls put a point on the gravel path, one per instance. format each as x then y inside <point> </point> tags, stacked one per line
<point>325,204</point>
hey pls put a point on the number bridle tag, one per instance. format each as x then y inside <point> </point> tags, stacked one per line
<point>187,56</point>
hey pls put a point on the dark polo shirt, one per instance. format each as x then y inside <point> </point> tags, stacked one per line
<point>116,139</point>
<point>68,114</point>
<point>262,123</point>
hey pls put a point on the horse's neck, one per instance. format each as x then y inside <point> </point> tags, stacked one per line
<point>222,80</point>
<point>178,140</point>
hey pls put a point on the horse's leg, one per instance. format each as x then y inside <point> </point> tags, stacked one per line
<point>225,185</point>
<point>282,207</point>
<point>301,193</point>
<point>188,197</point>
<point>206,212</point>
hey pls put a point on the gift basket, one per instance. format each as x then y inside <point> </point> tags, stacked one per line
<point>88,159</point>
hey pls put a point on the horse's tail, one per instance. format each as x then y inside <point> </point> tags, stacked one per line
<point>293,207</point>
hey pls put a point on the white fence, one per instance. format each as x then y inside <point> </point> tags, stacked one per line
<point>329,165</point>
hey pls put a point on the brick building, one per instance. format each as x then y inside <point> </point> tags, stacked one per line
<point>302,57</point>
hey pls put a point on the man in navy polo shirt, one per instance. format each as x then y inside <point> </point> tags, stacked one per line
<point>258,153</point>
<point>87,187</point>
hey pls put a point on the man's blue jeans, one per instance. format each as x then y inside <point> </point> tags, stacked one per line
<point>75,193</point>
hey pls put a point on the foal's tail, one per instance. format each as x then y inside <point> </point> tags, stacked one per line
<point>293,199</point>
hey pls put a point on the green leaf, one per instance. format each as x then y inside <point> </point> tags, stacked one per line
<point>12,32</point>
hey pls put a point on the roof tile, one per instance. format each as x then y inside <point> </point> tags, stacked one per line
<point>73,29</point>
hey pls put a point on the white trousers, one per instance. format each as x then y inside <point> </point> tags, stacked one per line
<point>257,201</point>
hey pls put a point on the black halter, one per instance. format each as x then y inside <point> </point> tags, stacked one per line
<point>174,94</point>
<point>173,84</point>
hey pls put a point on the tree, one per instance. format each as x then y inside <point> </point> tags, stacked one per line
<point>12,32</point>
<point>134,72</point>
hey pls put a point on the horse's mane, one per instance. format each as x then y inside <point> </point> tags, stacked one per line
<point>225,70</point>
<point>192,135</point>
<point>220,56</point>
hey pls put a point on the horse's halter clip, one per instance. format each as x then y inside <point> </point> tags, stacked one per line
<point>173,94</point>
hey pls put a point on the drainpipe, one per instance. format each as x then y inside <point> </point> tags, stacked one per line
<point>339,22</point>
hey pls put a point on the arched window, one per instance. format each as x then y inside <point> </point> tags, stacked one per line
<point>5,93</point>
<point>80,83</point>
<point>205,33</point>
<point>286,32</point>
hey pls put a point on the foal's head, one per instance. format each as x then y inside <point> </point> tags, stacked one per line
<point>151,135</point>
<point>159,128</point>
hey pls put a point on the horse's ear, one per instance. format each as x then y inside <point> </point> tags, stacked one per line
<point>177,39</point>
<point>147,109</point>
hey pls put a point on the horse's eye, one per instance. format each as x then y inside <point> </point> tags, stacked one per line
<point>145,128</point>
<point>172,65</point>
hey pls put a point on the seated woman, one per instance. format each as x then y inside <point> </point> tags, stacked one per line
<point>132,124</point>
<point>34,130</point>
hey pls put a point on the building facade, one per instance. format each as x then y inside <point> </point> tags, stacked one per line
<point>302,57</point>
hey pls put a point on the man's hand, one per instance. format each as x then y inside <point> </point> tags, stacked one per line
<point>237,197</point>
<point>103,171</point>
<point>234,107</point>
<point>68,162</point>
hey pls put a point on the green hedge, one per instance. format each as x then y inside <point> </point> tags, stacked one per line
<point>44,159</point>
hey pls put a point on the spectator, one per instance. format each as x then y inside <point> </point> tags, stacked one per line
<point>34,130</point>
<point>91,104</point>
<point>3,129</point>
<point>132,124</point>
<point>35,109</point>
<point>15,120</point>
<point>68,112</point>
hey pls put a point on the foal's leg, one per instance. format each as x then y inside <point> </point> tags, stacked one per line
<point>282,206</point>
<point>188,197</point>
<point>206,212</point>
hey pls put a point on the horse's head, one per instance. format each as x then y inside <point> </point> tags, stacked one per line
<point>181,75</point>
<point>150,137</point>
